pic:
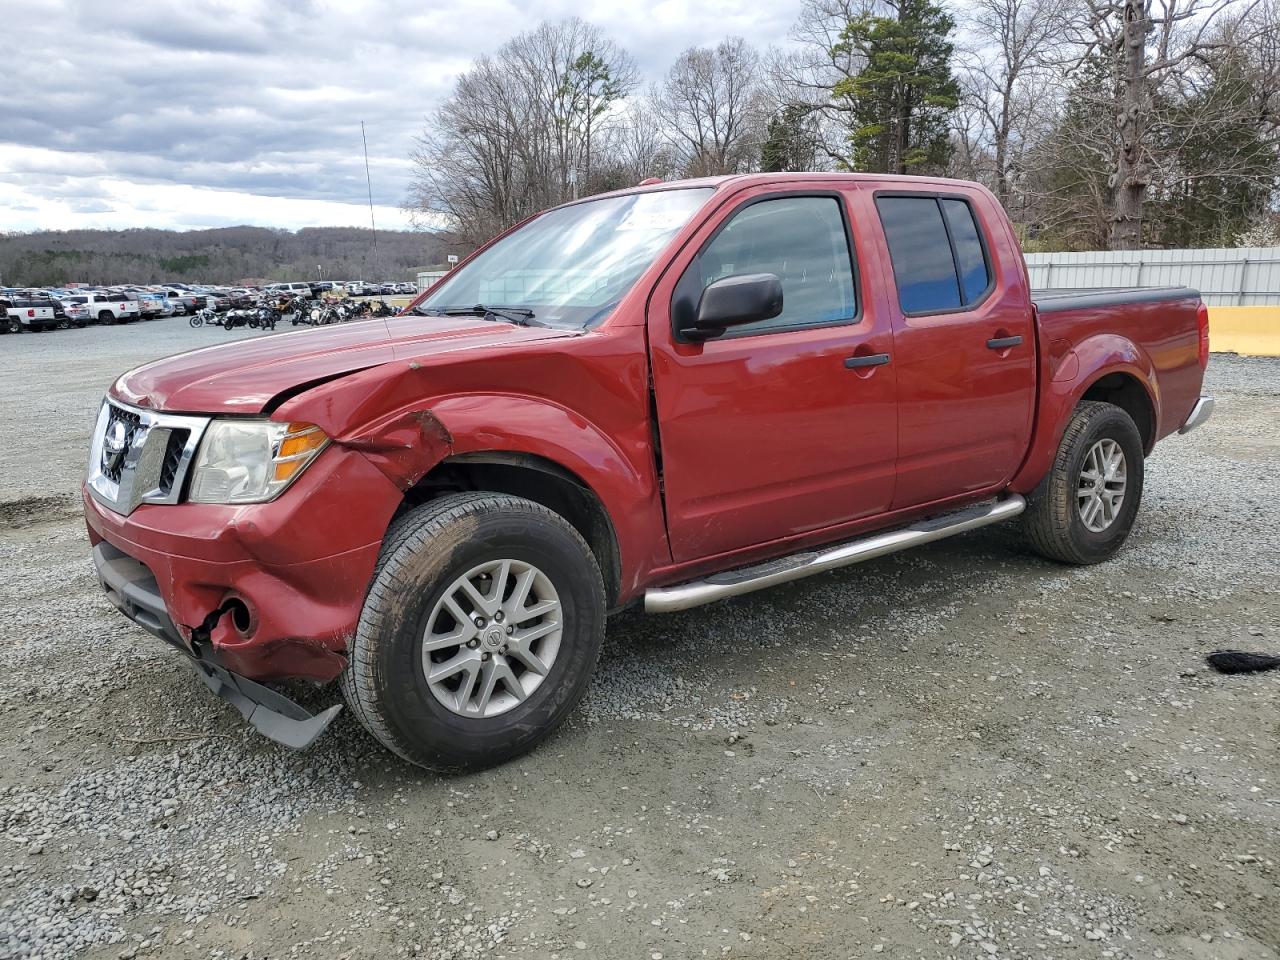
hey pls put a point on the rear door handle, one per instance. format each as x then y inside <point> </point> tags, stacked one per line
<point>869,360</point>
<point>1000,343</point>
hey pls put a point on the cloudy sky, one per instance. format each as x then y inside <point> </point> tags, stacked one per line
<point>127,113</point>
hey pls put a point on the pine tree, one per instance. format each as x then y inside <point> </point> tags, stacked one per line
<point>903,97</point>
<point>790,143</point>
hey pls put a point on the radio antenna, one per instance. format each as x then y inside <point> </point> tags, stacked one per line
<point>369,182</point>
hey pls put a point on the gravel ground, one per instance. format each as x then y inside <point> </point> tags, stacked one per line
<point>961,752</point>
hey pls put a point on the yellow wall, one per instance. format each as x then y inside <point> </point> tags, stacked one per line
<point>1254,331</point>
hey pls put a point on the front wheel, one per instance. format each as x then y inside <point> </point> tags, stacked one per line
<point>1082,512</point>
<point>479,634</point>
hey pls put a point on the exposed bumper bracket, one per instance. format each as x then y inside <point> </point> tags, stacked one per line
<point>132,587</point>
<point>1199,414</point>
<point>272,714</point>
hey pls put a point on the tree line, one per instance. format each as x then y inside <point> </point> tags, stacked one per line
<point>1099,124</point>
<point>224,255</point>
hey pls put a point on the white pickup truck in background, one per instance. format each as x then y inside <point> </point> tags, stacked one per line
<point>108,307</point>
<point>23,314</point>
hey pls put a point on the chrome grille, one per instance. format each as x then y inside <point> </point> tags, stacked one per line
<point>141,456</point>
<point>173,458</point>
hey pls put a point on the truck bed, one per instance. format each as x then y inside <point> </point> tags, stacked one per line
<point>1054,300</point>
<point>1151,329</point>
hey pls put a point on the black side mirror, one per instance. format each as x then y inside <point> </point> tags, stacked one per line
<point>733,301</point>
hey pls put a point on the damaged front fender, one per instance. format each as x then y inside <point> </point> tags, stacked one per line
<point>405,447</point>
<point>382,414</point>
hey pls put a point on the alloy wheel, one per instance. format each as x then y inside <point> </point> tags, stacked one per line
<point>1100,489</point>
<point>492,638</point>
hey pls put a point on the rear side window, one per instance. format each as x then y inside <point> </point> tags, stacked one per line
<point>938,259</point>
<point>971,262</point>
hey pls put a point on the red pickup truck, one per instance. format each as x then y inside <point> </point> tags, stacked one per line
<point>667,395</point>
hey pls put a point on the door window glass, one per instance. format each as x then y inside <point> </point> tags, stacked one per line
<point>971,262</point>
<point>923,267</point>
<point>802,241</point>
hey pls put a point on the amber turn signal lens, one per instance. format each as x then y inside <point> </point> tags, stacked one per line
<point>299,445</point>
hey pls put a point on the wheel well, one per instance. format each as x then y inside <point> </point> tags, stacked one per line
<point>536,479</point>
<point>1127,393</point>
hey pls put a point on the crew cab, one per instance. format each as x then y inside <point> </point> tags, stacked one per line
<point>23,313</point>
<point>110,307</point>
<point>665,396</point>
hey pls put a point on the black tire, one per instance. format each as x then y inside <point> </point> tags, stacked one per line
<point>15,326</point>
<point>1052,522</point>
<point>424,552</point>
<point>106,318</point>
<point>62,324</point>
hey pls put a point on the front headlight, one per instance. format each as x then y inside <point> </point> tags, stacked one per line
<point>252,461</point>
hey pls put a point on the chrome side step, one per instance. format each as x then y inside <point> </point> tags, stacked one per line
<point>733,583</point>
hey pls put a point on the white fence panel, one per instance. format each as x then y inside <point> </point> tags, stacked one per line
<point>1243,276</point>
<point>427,277</point>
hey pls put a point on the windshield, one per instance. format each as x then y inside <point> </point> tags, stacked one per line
<point>571,266</point>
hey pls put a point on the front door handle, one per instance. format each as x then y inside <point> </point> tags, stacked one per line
<point>868,360</point>
<point>1001,343</point>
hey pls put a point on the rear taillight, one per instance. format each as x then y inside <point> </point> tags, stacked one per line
<point>31,313</point>
<point>1202,324</point>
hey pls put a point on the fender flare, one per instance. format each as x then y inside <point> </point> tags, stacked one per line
<point>1093,358</point>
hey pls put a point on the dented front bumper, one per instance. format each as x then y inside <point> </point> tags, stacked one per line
<point>264,591</point>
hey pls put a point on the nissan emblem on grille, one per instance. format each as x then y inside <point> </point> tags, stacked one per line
<point>114,445</point>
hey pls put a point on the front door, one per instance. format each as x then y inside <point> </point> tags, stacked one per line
<point>784,426</point>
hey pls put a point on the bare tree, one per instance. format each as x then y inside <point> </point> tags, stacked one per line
<point>522,129</point>
<point>1146,44</point>
<point>819,62</point>
<point>1010,49</point>
<point>713,107</point>
<point>638,144</point>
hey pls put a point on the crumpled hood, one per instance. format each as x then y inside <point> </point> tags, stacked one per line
<point>244,376</point>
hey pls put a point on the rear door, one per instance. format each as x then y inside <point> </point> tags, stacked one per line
<point>964,342</point>
<point>784,426</point>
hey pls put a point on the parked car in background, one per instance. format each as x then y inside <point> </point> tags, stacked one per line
<point>183,301</point>
<point>77,312</point>
<point>292,289</point>
<point>111,307</point>
<point>154,306</point>
<point>25,313</point>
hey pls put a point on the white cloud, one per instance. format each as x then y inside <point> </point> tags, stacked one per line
<point>248,111</point>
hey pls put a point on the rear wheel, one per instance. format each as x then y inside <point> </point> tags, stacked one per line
<point>1082,512</point>
<point>106,317</point>
<point>15,326</point>
<point>479,634</point>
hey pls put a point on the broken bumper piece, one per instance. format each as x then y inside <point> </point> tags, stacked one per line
<point>132,588</point>
<point>272,714</point>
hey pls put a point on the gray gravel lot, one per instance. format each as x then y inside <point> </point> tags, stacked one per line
<point>962,752</point>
